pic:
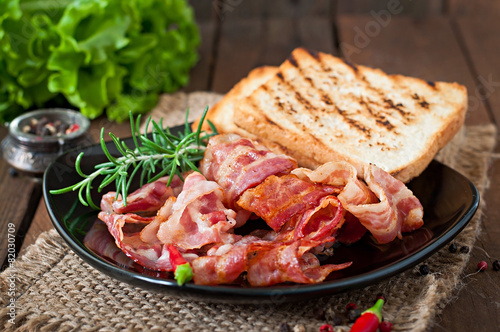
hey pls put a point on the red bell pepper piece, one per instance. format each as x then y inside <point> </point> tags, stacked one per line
<point>182,270</point>
<point>370,319</point>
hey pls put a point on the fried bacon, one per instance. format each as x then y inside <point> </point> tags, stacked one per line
<point>384,205</point>
<point>150,197</point>
<point>277,262</point>
<point>236,164</point>
<point>198,216</point>
<point>305,211</point>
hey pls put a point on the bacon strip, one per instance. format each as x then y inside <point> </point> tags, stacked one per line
<point>236,164</point>
<point>148,255</point>
<point>409,209</point>
<point>150,197</point>
<point>385,206</point>
<point>283,200</point>
<point>223,264</point>
<point>198,216</point>
<point>276,262</point>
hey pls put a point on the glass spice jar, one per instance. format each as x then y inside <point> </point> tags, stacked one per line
<point>37,138</point>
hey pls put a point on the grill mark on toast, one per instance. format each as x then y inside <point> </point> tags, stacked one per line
<point>354,123</point>
<point>380,119</point>
<point>388,103</point>
<point>293,61</point>
<point>317,57</point>
<point>424,104</point>
<point>398,107</point>
<point>298,96</point>
<point>271,122</point>
<point>326,99</point>
<point>314,54</point>
<point>303,101</point>
<point>421,101</point>
<point>385,123</point>
<point>350,64</point>
<point>280,105</point>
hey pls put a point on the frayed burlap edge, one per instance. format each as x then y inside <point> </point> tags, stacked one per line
<point>49,271</point>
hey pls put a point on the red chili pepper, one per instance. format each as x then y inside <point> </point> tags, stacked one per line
<point>326,328</point>
<point>182,270</point>
<point>369,319</point>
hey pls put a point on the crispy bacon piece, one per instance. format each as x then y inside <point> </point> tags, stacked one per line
<point>385,206</point>
<point>148,255</point>
<point>223,264</point>
<point>277,262</point>
<point>198,216</point>
<point>410,212</point>
<point>283,200</point>
<point>236,164</point>
<point>320,222</point>
<point>149,198</point>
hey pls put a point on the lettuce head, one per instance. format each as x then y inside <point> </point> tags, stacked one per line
<point>97,56</point>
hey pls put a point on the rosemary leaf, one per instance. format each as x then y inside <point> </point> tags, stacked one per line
<point>158,154</point>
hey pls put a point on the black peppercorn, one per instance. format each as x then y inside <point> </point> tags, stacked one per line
<point>284,327</point>
<point>496,265</point>
<point>13,172</point>
<point>424,270</point>
<point>319,314</point>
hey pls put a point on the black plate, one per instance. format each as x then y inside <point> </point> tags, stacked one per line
<point>449,199</point>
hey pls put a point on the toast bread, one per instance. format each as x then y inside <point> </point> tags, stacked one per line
<point>320,108</point>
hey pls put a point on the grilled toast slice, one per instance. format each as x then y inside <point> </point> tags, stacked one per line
<point>323,108</point>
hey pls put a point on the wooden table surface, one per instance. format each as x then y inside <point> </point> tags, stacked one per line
<point>433,40</point>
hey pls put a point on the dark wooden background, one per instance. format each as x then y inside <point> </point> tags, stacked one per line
<point>450,40</point>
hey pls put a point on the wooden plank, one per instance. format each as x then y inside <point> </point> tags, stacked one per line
<point>298,8</point>
<point>230,65</point>
<point>255,9</point>
<point>200,74</point>
<point>408,7</point>
<point>41,223</point>
<point>483,47</point>
<point>266,42</point>
<point>203,10</point>
<point>482,41</point>
<point>238,9</point>
<point>425,48</point>
<point>478,8</point>
<point>19,196</point>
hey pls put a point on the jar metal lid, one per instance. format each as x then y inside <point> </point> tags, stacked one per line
<point>32,153</point>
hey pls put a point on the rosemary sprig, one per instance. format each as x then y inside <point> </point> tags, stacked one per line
<point>159,154</point>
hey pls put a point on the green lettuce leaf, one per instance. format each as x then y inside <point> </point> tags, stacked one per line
<point>98,56</point>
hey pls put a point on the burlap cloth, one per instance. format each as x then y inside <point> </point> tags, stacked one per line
<point>56,290</point>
